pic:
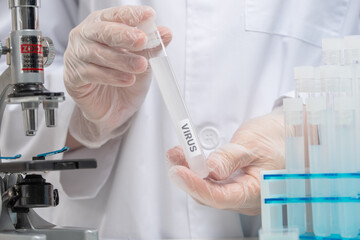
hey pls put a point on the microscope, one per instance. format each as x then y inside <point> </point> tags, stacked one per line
<point>21,185</point>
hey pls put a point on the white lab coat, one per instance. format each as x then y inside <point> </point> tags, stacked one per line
<point>232,59</point>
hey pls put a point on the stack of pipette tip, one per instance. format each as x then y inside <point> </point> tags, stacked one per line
<point>317,195</point>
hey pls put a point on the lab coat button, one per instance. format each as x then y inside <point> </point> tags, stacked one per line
<point>209,138</point>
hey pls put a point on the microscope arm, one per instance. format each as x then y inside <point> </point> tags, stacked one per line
<point>5,89</point>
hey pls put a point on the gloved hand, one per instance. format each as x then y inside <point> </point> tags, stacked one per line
<point>234,179</point>
<point>106,72</point>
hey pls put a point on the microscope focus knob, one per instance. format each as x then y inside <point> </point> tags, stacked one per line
<point>49,51</point>
<point>3,49</point>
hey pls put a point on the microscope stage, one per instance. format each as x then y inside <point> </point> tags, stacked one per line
<point>46,165</point>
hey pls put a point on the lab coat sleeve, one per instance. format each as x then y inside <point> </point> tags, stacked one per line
<point>87,183</point>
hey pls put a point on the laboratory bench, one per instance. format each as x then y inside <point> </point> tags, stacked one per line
<point>221,239</point>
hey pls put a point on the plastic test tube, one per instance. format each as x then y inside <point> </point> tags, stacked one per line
<point>352,59</point>
<point>344,107</point>
<point>317,140</point>
<point>349,86</point>
<point>295,161</point>
<point>331,87</point>
<point>355,86</point>
<point>305,79</point>
<point>352,50</point>
<point>173,100</point>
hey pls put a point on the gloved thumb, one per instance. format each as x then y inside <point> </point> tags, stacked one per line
<point>227,159</point>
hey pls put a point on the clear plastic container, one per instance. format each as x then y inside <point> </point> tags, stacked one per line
<point>318,162</point>
<point>295,160</point>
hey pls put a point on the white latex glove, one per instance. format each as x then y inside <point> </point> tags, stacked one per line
<point>234,179</point>
<point>106,72</point>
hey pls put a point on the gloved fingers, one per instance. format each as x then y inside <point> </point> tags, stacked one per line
<point>199,202</point>
<point>108,57</point>
<point>165,34</point>
<point>175,156</point>
<point>114,35</point>
<point>91,73</point>
<point>108,76</point>
<point>225,160</point>
<point>129,15</point>
<point>222,163</point>
<point>232,194</point>
<point>166,37</point>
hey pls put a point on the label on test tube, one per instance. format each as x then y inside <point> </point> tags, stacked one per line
<point>188,136</point>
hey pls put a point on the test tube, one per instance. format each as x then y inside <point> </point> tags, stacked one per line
<point>295,161</point>
<point>344,107</point>
<point>174,102</point>
<point>331,87</point>
<point>317,140</point>
<point>304,80</point>
<point>351,74</point>
<point>352,50</point>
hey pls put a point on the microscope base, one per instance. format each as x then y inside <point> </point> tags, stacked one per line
<point>30,226</point>
<point>50,234</point>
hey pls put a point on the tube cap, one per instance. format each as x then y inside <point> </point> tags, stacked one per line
<point>345,72</point>
<point>329,71</point>
<point>315,104</point>
<point>352,42</point>
<point>315,107</point>
<point>304,78</point>
<point>332,44</point>
<point>293,105</point>
<point>150,29</point>
<point>304,72</point>
<point>293,111</point>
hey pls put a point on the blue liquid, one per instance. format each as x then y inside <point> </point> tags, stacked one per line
<point>285,200</point>
<point>332,237</point>
<point>334,176</point>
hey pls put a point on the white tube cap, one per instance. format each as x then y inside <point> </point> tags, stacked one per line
<point>304,78</point>
<point>314,107</point>
<point>352,42</point>
<point>293,111</point>
<point>293,105</point>
<point>332,44</point>
<point>305,72</point>
<point>315,104</point>
<point>150,28</point>
<point>345,72</point>
<point>329,71</point>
